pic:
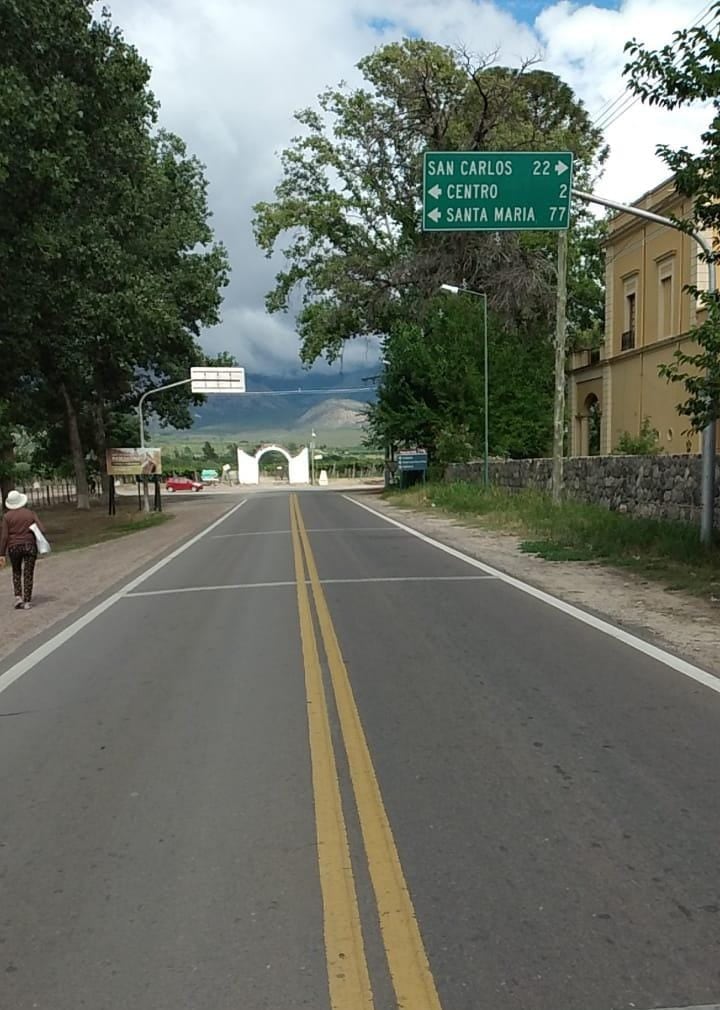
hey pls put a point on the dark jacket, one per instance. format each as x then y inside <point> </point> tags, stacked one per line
<point>15,530</point>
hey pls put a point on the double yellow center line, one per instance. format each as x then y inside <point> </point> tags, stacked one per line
<point>348,976</point>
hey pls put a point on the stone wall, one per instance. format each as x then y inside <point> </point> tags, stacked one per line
<point>664,486</point>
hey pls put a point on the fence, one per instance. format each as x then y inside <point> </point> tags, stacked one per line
<point>45,494</point>
<point>662,487</point>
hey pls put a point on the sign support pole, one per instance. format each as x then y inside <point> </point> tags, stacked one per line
<point>560,357</point>
<point>203,380</point>
<point>486,396</point>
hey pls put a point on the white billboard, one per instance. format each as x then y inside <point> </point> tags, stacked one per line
<point>217,380</point>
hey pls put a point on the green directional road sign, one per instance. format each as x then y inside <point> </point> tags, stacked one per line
<point>496,190</point>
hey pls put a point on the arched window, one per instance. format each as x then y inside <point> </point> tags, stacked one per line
<point>593,413</point>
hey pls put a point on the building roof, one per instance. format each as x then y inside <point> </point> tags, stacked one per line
<point>653,200</point>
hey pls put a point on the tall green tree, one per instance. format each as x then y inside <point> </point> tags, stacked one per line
<point>106,239</point>
<point>431,392</point>
<point>682,73</point>
<point>347,214</point>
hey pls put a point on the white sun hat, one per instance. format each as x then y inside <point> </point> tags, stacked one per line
<point>16,500</point>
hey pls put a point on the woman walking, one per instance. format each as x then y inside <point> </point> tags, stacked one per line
<point>17,541</point>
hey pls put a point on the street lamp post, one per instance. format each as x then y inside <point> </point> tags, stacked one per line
<point>143,398</point>
<point>312,458</point>
<point>151,392</point>
<point>454,289</point>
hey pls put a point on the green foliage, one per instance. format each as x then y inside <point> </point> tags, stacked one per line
<point>108,262</point>
<point>586,284</point>
<point>679,74</point>
<point>348,204</point>
<point>699,371</point>
<point>431,393</point>
<point>644,444</point>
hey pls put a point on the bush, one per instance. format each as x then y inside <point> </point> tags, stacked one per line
<point>644,444</point>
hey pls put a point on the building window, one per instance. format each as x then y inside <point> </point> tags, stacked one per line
<point>666,298</point>
<point>594,415</point>
<point>628,336</point>
<point>702,271</point>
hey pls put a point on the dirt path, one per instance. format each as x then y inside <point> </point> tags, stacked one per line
<point>684,625</point>
<point>70,579</point>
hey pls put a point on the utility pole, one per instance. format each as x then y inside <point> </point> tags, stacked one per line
<point>708,435</point>
<point>560,356</point>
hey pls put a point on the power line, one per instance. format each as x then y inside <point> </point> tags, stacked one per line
<point>611,111</point>
<point>304,392</point>
<point>605,110</point>
<point>627,103</point>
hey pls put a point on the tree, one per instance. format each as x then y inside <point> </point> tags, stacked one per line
<point>111,264</point>
<point>586,283</point>
<point>432,390</point>
<point>349,198</point>
<point>680,73</point>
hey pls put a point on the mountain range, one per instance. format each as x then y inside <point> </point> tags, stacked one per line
<point>291,403</point>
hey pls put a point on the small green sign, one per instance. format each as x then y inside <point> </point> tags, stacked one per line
<point>497,190</point>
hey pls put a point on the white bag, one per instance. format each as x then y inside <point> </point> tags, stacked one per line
<point>42,544</point>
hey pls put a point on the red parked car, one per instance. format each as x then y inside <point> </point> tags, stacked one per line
<point>182,484</point>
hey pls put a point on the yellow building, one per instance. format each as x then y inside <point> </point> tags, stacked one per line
<point>647,317</point>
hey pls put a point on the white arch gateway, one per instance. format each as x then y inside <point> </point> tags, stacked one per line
<point>249,466</point>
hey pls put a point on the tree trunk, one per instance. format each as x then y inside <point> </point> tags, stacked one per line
<point>101,442</point>
<point>7,463</point>
<point>77,452</point>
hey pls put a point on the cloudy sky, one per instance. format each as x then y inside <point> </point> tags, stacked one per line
<point>230,73</point>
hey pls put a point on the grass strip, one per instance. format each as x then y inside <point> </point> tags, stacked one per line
<point>665,551</point>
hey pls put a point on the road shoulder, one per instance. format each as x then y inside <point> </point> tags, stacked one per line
<point>70,580</point>
<point>676,621</point>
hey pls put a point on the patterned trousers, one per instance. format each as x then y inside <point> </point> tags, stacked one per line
<point>23,560</point>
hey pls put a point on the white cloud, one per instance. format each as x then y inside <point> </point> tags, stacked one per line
<point>585,45</point>
<point>230,75</point>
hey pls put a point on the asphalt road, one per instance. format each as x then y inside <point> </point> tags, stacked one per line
<point>313,761</point>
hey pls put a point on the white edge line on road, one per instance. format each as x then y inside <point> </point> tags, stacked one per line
<point>47,648</point>
<point>653,651</point>
<point>324,582</point>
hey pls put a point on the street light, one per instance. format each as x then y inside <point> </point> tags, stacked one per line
<point>143,398</point>
<point>151,392</point>
<point>454,289</point>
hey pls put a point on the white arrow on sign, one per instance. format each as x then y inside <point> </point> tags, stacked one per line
<point>435,215</point>
<point>561,167</point>
<point>435,192</point>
